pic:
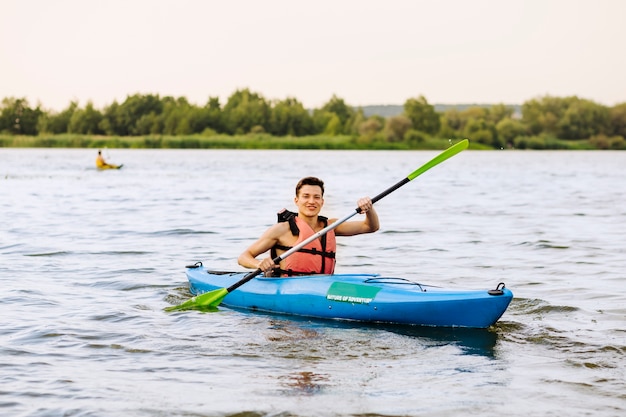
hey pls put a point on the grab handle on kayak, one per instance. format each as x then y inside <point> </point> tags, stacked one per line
<point>498,290</point>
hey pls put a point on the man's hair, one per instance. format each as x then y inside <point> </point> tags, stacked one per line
<point>310,181</point>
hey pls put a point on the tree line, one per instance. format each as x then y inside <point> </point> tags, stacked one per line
<point>544,123</point>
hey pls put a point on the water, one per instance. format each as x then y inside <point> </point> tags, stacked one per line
<point>89,260</point>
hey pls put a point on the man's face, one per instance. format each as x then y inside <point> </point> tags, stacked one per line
<point>309,200</point>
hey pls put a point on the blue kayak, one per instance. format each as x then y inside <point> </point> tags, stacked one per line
<point>360,297</point>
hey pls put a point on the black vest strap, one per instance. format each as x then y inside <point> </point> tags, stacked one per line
<point>288,216</point>
<point>312,251</point>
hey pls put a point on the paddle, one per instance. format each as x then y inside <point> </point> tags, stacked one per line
<point>214,298</point>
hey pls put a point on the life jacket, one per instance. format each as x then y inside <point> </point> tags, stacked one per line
<point>318,257</point>
<point>100,162</point>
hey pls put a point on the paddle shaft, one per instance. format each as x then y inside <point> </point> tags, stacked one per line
<point>451,151</point>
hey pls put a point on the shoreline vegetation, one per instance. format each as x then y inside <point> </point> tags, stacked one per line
<point>256,141</point>
<point>249,121</point>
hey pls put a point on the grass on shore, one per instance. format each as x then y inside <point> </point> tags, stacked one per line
<point>249,141</point>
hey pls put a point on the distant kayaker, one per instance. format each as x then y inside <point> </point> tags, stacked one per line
<point>318,257</point>
<point>101,163</point>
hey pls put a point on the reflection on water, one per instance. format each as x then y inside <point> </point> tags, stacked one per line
<point>292,330</point>
<point>470,341</point>
<point>287,330</point>
<point>303,383</point>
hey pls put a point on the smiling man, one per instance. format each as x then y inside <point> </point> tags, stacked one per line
<point>318,257</point>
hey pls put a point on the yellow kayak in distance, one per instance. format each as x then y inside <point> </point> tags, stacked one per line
<point>102,164</point>
<point>109,166</point>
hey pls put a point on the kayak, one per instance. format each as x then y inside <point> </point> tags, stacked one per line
<point>369,298</point>
<point>109,166</point>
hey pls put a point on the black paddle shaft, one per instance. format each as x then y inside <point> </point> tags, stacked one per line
<point>387,192</point>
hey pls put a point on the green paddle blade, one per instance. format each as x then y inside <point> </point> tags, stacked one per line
<point>207,301</point>
<point>448,153</point>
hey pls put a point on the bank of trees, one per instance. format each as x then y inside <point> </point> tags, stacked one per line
<point>544,122</point>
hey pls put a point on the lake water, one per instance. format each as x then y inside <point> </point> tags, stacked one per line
<point>89,260</point>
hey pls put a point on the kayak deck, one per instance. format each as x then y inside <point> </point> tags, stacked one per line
<point>358,297</point>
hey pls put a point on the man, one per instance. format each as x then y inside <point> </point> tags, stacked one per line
<point>318,257</point>
<point>100,162</point>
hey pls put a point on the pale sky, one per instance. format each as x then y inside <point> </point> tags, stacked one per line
<point>366,52</point>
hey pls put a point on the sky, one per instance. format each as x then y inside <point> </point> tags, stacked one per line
<point>365,52</point>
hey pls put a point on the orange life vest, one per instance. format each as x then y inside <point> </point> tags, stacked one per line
<point>318,257</point>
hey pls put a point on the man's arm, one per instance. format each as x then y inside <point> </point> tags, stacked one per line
<point>267,240</point>
<point>368,225</point>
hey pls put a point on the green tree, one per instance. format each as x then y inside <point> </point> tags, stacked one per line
<point>508,129</point>
<point>583,119</point>
<point>357,120</point>
<point>86,121</point>
<point>111,123</point>
<point>344,114</point>
<point>149,124</point>
<point>244,110</point>
<point>176,116</point>
<point>17,117</point>
<point>414,137</point>
<point>396,127</point>
<point>198,119</point>
<point>57,122</point>
<point>450,123</point>
<point>339,107</point>
<point>453,122</point>
<point>542,115</point>
<point>618,120</point>
<point>334,126</point>
<point>121,119</point>
<point>371,126</point>
<point>422,115</point>
<point>321,119</point>
<point>603,142</point>
<point>445,129</point>
<point>289,117</point>
<point>482,131</point>
<point>499,112</point>
<point>213,114</point>
<point>474,113</point>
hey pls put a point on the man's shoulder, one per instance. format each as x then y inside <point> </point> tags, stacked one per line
<point>278,229</point>
<point>282,233</point>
